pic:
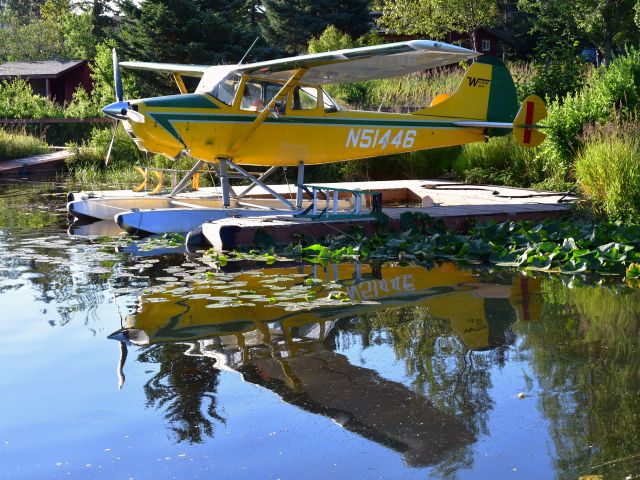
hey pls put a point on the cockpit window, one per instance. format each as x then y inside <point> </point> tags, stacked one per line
<point>226,89</point>
<point>258,94</point>
<point>305,98</point>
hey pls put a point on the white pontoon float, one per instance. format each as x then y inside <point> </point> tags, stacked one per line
<point>182,211</point>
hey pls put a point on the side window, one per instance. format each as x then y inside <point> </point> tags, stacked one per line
<point>272,90</point>
<point>225,91</point>
<point>252,98</point>
<point>305,98</point>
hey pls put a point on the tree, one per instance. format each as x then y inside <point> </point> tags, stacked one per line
<point>606,24</point>
<point>436,18</point>
<point>290,24</point>
<point>56,32</point>
<point>185,31</point>
<point>25,10</point>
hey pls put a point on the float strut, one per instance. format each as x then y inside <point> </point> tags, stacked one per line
<point>187,178</point>
<point>224,182</point>
<point>300,192</point>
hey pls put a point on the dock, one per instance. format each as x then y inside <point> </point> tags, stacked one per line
<point>38,163</point>
<point>457,205</point>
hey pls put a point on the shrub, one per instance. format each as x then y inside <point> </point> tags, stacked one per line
<point>499,161</point>
<point>609,92</point>
<point>608,172</point>
<point>17,100</point>
<point>20,145</point>
<point>93,153</point>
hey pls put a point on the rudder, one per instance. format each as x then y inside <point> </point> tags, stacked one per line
<point>487,93</point>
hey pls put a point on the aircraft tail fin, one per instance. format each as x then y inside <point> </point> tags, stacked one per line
<point>531,112</point>
<point>487,93</point>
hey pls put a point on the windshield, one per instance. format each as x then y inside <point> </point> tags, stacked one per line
<point>225,91</point>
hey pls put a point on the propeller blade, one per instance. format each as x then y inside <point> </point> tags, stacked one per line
<point>135,116</point>
<point>116,77</point>
<point>113,139</point>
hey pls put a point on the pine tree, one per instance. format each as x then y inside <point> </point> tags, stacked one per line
<point>186,31</point>
<point>290,24</point>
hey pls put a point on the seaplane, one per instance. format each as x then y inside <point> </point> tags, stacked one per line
<point>276,114</point>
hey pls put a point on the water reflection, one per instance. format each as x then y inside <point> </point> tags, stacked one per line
<point>586,355</point>
<point>287,326</point>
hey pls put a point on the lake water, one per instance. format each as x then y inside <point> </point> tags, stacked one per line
<point>137,360</point>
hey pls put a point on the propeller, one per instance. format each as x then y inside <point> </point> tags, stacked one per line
<point>120,110</point>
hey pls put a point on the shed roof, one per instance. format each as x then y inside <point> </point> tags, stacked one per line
<point>45,69</point>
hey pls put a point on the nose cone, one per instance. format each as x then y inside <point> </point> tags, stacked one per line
<point>117,110</point>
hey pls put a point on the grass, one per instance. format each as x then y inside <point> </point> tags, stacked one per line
<point>20,145</point>
<point>608,172</point>
<point>500,161</point>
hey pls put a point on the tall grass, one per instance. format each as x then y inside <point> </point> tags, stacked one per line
<point>499,161</point>
<point>412,91</point>
<point>19,145</point>
<point>607,170</point>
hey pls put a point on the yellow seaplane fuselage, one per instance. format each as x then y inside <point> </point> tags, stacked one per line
<point>283,117</point>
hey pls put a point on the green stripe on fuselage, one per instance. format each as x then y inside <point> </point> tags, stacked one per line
<point>167,118</point>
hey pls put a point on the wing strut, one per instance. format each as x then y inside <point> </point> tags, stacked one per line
<point>286,88</point>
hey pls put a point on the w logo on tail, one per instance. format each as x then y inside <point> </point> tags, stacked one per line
<point>478,82</point>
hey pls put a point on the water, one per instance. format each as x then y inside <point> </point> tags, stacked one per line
<point>159,365</point>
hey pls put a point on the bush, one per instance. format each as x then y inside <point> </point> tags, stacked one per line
<point>499,161</point>
<point>608,172</point>
<point>93,153</point>
<point>609,92</point>
<point>20,145</point>
<point>17,100</point>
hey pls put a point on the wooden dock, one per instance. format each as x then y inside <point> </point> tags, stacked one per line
<point>53,161</point>
<point>458,205</point>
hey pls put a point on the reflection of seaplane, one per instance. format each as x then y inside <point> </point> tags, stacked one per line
<point>290,351</point>
<point>164,317</point>
<point>276,114</point>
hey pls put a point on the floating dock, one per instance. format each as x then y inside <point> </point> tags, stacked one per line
<point>24,166</point>
<point>458,205</point>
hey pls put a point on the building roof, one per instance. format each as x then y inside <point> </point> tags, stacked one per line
<point>46,69</point>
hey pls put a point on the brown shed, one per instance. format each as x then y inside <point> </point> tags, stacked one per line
<point>54,79</point>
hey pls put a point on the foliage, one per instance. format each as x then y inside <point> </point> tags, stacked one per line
<point>333,39</point>
<point>19,145</point>
<point>17,100</point>
<point>290,25</point>
<point>87,165</point>
<point>92,154</point>
<point>607,25</point>
<point>559,69</point>
<point>412,91</point>
<point>436,18</point>
<point>500,161</point>
<point>57,32</point>
<point>608,172</point>
<point>609,93</point>
<point>568,247</point>
<point>185,31</point>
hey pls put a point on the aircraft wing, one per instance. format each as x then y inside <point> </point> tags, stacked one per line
<point>180,69</point>
<point>363,63</point>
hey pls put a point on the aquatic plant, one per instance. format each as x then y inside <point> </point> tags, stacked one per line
<point>563,246</point>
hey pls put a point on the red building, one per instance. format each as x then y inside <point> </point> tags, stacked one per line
<point>56,80</point>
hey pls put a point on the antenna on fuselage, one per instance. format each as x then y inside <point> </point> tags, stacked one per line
<point>248,50</point>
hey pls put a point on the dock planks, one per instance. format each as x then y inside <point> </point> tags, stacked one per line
<point>23,166</point>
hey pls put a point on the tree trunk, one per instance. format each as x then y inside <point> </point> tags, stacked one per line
<point>607,50</point>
